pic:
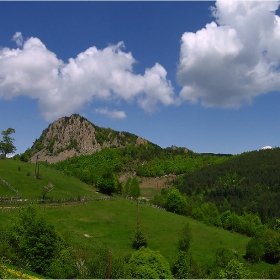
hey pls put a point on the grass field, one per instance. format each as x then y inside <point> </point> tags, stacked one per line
<point>112,222</point>
<point>16,173</point>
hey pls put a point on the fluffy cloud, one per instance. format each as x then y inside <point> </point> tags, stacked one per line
<point>63,88</point>
<point>235,58</point>
<point>111,114</point>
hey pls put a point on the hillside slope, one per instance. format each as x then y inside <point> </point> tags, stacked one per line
<point>249,182</point>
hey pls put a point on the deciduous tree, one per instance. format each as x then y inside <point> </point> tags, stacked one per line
<point>7,144</point>
<point>35,242</point>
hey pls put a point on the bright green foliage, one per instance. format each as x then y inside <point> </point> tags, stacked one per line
<point>108,182</point>
<point>63,266</point>
<point>35,242</point>
<point>132,188</point>
<point>126,188</point>
<point>235,270</point>
<point>148,264</point>
<point>222,257</point>
<point>181,266</point>
<point>210,214</point>
<point>135,188</point>
<point>196,270</point>
<point>7,144</point>
<point>187,267</point>
<point>146,159</point>
<point>175,201</point>
<point>249,223</point>
<point>255,250</point>
<point>275,273</point>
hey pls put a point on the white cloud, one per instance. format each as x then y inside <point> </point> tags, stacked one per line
<point>18,39</point>
<point>266,148</point>
<point>63,88</point>
<point>111,114</point>
<point>235,58</point>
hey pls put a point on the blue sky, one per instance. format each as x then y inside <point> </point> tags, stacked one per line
<point>175,73</point>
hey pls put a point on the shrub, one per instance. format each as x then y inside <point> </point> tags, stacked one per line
<point>148,264</point>
<point>33,240</point>
<point>255,250</point>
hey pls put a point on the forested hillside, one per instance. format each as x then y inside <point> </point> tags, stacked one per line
<point>249,182</point>
<point>147,160</point>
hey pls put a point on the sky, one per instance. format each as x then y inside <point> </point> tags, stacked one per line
<point>197,74</point>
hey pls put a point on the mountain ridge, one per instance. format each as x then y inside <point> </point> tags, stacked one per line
<point>75,135</point>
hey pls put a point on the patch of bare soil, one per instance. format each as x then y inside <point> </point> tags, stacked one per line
<point>157,182</point>
<point>151,182</point>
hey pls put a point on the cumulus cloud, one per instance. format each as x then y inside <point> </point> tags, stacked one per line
<point>63,88</point>
<point>111,114</point>
<point>234,58</point>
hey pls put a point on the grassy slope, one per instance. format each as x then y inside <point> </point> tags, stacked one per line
<point>29,187</point>
<point>112,222</point>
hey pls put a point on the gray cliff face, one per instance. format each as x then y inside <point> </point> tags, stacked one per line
<point>75,135</point>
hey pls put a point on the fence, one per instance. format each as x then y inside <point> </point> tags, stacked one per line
<point>11,188</point>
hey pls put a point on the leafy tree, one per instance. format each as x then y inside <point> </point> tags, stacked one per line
<point>181,266</point>
<point>108,182</point>
<point>132,188</point>
<point>196,270</point>
<point>7,144</point>
<point>221,259</point>
<point>135,188</point>
<point>175,201</point>
<point>35,242</point>
<point>255,249</point>
<point>235,270</point>
<point>148,264</point>
<point>275,272</point>
<point>271,242</point>
<point>46,189</point>
<point>127,187</point>
<point>63,265</point>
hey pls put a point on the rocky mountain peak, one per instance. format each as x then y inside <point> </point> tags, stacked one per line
<point>75,135</point>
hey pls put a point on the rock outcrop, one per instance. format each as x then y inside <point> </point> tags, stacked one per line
<point>75,135</point>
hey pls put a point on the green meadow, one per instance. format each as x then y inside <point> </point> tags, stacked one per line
<point>112,222</point>
<point>20,175</point>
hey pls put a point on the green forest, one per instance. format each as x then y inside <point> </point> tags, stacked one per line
<point>147,160</point>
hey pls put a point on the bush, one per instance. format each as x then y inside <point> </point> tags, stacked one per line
<point>34,241</point>
<point>148,264</point>
<point>235,270</point>
<point>271,242</point>
<point>63,266</point>
<point>255,250</point>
